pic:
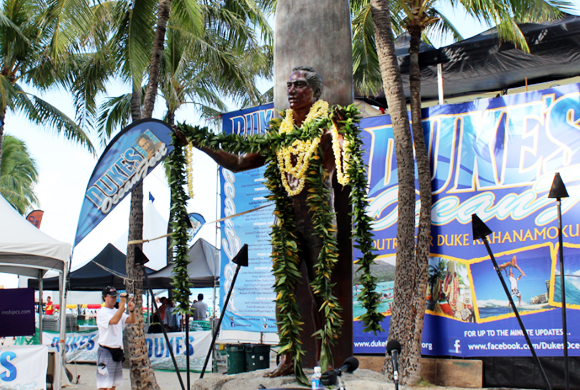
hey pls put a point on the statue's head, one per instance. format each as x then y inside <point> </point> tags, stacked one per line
<point>304,87</point>
<point>313,79</point>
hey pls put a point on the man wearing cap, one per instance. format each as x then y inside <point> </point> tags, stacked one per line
<point>111,323</point>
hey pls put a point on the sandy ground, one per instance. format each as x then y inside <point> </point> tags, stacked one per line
<point>84,378</point>
<point>359,380</point>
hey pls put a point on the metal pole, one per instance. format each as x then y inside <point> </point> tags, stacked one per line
<point>220,321</point>
<point>440,84</point>
<point>563,292</point>
<point>515,309</point>
<point>40,299</point>
<point>165,333</point>
<point>187,348</point>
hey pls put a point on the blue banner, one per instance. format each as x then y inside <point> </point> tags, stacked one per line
<point>251,306</point>
<point>496,158</point>
<point>128,158</point>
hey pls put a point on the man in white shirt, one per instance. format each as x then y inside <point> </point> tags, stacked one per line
<point>200,309</point>
<point>111,323</point>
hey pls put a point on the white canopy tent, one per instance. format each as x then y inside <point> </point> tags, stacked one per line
<point>25,250</point>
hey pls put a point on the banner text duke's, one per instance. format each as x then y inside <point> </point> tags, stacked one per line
<point>496,160</point>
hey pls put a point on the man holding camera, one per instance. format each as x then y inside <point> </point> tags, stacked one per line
<point>111,323</point>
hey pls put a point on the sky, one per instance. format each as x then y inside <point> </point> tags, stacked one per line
<point>65,168</point>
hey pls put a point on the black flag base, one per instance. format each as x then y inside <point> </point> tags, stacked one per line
<point>241,259</point>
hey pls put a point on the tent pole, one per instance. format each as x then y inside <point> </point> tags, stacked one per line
<point>40,299</point>
<point>165,333</point>
<point>440,84</point>
<point>187,349</point>
<point>59,356</point>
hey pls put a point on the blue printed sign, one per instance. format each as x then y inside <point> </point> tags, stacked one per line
<point>83,347</point>
<point>251,306</point>
<point>128,158</point>
<point>495,158</point>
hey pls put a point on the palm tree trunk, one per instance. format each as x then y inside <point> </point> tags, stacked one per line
<point>142,376</point>
<point>136,103</point>
<point>2,118</point>
<point>170,122</point>
<point>424,175</point>
<point>157,52</point>
<point>402,327</point>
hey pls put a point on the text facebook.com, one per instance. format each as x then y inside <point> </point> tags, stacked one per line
<point>515,346</point>
<point>379,343</point>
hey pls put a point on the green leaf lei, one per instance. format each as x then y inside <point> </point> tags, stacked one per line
<point>285,250</point>
<point>180,223</point>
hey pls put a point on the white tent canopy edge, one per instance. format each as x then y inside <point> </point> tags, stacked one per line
<point>26,250</point>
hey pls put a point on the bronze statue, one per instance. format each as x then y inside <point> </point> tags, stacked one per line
<point>301,170</point>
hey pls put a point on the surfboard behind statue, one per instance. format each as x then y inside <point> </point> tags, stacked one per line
<point>318,34</point>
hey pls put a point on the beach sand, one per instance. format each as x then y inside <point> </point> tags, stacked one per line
<point>167,380</point>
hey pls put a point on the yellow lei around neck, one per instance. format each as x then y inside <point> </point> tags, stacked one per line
<point>294,160</point>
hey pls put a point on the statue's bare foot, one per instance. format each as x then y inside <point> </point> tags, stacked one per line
<point>286,367</point>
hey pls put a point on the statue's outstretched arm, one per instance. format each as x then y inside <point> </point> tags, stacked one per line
<point>234,162</point>
<point>231,161</point>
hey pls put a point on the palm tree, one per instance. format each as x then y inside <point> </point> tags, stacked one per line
<point>18,175</point>
<point>129,25</point>
<point>404,310</point>
<point>23,62</point>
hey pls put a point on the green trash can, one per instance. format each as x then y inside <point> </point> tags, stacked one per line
<point>236,358</point>
<point>257,357</point>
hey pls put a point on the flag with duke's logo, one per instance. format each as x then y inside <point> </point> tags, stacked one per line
<point>128,158</point>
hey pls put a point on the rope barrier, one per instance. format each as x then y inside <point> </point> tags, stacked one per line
<point>134,242</point>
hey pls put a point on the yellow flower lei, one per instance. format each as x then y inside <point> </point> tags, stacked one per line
<point>189,159</point>
<point>341,166</point>
<point>302,151</point>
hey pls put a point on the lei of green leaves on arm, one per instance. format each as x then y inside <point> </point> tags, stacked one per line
<point>180,223</point>
<point>285,251</point>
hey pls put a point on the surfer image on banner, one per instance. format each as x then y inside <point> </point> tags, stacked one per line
<point>147,144</point>
<point>512,279</point>
<point>527,276</point>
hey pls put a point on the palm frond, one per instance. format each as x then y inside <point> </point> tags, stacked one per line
<point>18,175</point>
<point>43,113</point>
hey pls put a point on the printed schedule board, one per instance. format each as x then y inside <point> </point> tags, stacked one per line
<point>496,158</point>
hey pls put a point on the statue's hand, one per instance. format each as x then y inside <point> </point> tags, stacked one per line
<point>338,115</point>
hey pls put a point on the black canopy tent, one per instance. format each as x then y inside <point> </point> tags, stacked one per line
<point>484,64</point>
<point>94,276</point>
<point>203,269</point>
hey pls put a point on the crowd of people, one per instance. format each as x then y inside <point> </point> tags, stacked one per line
<point>168,317</point>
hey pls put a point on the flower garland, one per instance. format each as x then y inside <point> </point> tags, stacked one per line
<point>285,251</point>
<point>189,159</point>
<point>294,160</point>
